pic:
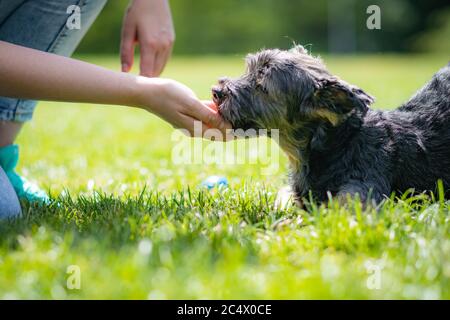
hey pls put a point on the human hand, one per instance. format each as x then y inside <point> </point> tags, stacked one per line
<point>177,104</point>
<point>149,24</point>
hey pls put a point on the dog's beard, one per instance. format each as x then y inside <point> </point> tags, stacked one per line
<point>245,126</point>
<point>235,116</point>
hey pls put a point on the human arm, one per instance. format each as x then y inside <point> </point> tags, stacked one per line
<point>32,74</point>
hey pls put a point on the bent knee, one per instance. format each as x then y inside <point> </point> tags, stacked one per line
<point>9,207</point>
<point>9,203</point>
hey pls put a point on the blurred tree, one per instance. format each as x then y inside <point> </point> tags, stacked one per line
<point>104,35</point>
<point>437,37</point>
<point>237,26</point>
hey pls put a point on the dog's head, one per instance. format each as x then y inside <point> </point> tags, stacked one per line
<point>287,90</point>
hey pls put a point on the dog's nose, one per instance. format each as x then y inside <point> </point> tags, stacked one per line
<point>217,93</point>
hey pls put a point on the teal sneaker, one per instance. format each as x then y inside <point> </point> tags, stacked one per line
<point>9,156</point>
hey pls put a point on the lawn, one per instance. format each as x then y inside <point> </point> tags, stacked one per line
<point>136,224</point>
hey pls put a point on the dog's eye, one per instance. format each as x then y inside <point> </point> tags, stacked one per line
<point>260,87</point>
<point>262,72</point>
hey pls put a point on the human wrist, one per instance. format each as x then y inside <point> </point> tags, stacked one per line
<point>143,90</point>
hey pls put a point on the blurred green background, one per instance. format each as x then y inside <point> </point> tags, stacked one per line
<point>238,26</point>
<point>135,229</point>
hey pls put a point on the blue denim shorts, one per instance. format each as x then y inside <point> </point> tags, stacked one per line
<point>42,25</point>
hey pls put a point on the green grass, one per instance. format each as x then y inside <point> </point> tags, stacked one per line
<point>139,226</point>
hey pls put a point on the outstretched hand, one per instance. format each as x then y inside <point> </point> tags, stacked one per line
<point>178,105</point>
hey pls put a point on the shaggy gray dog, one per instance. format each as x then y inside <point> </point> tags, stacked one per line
<point>336,144</point>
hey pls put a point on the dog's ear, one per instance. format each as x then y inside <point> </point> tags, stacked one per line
<point>340,97</point>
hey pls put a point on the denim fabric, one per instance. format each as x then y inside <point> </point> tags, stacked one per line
<point>41,25</point>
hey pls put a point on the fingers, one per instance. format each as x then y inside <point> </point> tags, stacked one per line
<point>127,44</point>
<point>159,63</point>
<point>148,23</point>
<point>210,104</point>
<point>206,115</point>
<point>148,57</point>
<point>162,57</point>
<point>154,57</point>
<point>161,60</point>
<point>191,127</point>
<point>210,119</point>
<point>227,126</point>
<point>194,128</point>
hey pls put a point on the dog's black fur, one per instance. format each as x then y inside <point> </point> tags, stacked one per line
<point>337,144</point>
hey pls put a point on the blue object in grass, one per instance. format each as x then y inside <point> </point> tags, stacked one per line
<point>215,181</point>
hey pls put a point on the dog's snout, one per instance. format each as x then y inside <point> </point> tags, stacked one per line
<point>221,91</point>
<point>218,93</point>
